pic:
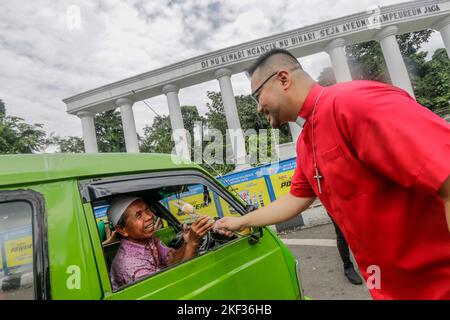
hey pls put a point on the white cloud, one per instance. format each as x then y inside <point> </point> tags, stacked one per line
<point>44,57</point>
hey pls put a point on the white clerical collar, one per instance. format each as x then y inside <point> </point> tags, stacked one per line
<point>300,121</point>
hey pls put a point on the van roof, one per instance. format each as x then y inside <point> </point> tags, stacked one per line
<point>26,168</point>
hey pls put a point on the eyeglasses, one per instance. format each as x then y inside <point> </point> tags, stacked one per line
<point>255,94</point>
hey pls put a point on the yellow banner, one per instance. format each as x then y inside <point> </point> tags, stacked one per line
<point>281,183</point>
<point>196,201</point>
<point>253,192</point>
<point>19,251</point>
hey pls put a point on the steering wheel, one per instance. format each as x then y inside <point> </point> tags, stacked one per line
<point>205,244</point>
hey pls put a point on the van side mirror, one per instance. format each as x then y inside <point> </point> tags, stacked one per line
<point>255,236</point>
<point>257,232</point>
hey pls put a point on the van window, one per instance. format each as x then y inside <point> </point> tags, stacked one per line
<point>16,251</point>
<point>197,198</point>
<point>175,205</point>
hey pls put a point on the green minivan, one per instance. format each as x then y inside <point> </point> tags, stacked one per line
<point>54,226</point>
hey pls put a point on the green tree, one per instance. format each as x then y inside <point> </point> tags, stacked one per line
<point>190,117</point>
<point>434,87</point>
<point>70,144</point>
<point>326,77</point>
<point>158,137</point>
<point>430,79</point>
<point>109,131</point>
<point>17,136</point>
<point>366,60</point>
<point>249,118</point>
<point>2,110</point>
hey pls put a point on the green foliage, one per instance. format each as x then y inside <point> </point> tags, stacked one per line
<point>366,61</point>
<point>190,117</point>
<point>249,118</point>
<point>67,144</point>
<point>17,136</point>
<point>2,109</point>
<point>430,79</point>
<point>434,87</point>
<point>109,131</point>
<point>326,77</point>
<point>158,137</point>
<point>215,117</point>
<point>410,43</point>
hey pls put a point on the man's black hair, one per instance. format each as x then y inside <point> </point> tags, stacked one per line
<point>264,57</point>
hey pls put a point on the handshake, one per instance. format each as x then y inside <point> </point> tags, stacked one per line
<point>227,226</point>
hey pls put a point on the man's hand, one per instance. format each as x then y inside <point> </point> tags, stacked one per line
<point>282,209</point>
<point>227,225</point>
<point>197,231</point>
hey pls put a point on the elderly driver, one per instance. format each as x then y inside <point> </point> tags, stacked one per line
<point>141,253</point>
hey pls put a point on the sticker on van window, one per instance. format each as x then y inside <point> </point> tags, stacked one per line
<point>16,249</point>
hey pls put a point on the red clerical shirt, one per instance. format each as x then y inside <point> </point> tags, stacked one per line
<point>383,157</point>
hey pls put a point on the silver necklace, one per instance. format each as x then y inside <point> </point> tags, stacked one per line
<point>316,170</point>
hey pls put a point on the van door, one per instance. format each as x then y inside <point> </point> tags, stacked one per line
<point>246,266</point>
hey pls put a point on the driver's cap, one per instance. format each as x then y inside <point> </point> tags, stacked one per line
<point>118,207</point>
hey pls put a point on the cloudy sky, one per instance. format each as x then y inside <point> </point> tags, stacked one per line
<point>46,55</point>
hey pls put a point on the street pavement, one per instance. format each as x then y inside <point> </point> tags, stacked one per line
<point>322,274</point>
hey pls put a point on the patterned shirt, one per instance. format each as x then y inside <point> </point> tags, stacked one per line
<point>134,261</point>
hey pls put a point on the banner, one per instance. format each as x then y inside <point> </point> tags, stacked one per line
<point>250,184</point>
<point>199,197</point>
<point>281,181</point>
<point>17,248</point>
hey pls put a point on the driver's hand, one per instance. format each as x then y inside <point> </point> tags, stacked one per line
<point>227,225</point>
<point>197,231</point>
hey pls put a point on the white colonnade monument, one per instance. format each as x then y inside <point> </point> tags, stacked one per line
<point>377,23</point>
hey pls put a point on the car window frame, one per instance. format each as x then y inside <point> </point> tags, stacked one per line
<point>41,269</point>
<point>178,176</point>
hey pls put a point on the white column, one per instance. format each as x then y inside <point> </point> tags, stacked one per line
<point>128,124</point>
<point>336,51</point>
<point>88,127</point>
<point>179,134</point>
<point>234,125</point>
<point>393,57</point>
<point>443,27</point>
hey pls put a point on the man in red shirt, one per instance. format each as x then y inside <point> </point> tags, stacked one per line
<point>379,163</point>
